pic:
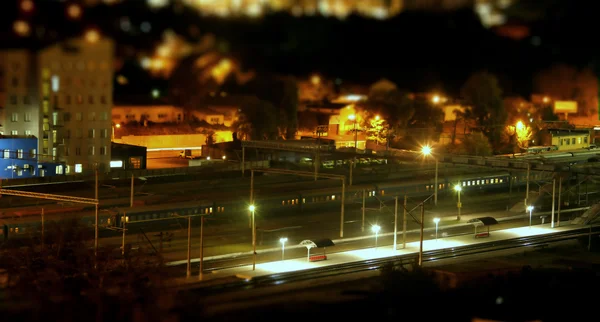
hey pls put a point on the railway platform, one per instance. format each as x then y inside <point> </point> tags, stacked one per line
<point>381,251</point>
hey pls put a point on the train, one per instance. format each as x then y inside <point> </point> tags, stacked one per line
<point>271,205</point>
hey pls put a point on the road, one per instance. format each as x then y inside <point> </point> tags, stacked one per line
<point>164,160</point>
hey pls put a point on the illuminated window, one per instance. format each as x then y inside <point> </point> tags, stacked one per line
<point>20,154</point>
<point>332,197</point>
<point>78,167</point>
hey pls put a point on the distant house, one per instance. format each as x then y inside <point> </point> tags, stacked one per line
<point>225,115</point>
<point>19,158</point>
<point>567,139</point>
<point>144,109</point>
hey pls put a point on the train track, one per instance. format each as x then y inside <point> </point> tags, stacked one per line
<point>376,264</point>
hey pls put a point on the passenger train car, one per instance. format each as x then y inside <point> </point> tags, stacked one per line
<point>153,216</point>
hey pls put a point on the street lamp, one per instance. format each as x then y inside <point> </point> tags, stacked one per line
<point>352,117</point>
<point>436,221</point>
<point>282,241</point>
<point>427,151</point>
<point>376,229</point>
<point>458,189</point>
<point>530,209</point>
<point>252,208</point>
<point>118,125</point>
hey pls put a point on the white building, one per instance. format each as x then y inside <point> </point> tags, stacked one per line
<point>62,95</point>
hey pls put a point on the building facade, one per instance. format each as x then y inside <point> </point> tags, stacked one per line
<point>19,159</point>
<point>567,139</point>
<point>150,113</point>
<point>62,95</point>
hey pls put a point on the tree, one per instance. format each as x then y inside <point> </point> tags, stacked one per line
<point>392,105</point>
<point>427,120</point>
<point>288,108</point>
<point>563,82</point>
<point>475,144</point>
<point>484,96</point>
<point>258,120</point>
<point>377,130</point>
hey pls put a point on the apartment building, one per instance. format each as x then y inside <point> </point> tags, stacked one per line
<point>62,95</point>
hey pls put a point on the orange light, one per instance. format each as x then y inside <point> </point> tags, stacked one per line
<point>118,125</point>
<point>21,28</point>
<point>74,11</point>
<point>92,36</point>
<point>315,80</point>
<point>27,5</point>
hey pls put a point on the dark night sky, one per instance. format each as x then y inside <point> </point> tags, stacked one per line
<point>417,50</point>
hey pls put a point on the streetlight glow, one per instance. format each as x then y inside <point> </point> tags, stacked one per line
<point>92,36</point>
<point>251,208</point>
<point>426,150</point>
<point>520,125</point>
<point>457,188</point>
<point>352,117</point>
<point>282,241</point>
<point>376,229</point>
<point>530,209</point>
<point>377,117</point>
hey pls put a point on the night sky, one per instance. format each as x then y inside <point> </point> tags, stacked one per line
<point>420,51</point>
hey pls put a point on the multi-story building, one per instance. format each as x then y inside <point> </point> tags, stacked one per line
<point>62,95</point>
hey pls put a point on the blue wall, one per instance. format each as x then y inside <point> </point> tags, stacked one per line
<point>18,159</point>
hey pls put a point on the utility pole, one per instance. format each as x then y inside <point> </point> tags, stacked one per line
<point>42,229</point>
<point>527,187</point>
<point>124,228</point>
<point>343,201</point>
<point>243,160</point>
<point>559,193</point>
<point>395,221</point>
<point>421,238</point>
<point>553,194</point>
<point>351,166</point>
<point>96,218</point>
<point>404,225</point>
<point>201,247</point>
<point>435,191</point>
<point>189,249</point>
<point>362,227</point>
<point>251,196</point>
<point>131,201</point>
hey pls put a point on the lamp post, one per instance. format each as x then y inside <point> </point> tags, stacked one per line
<point>113,130</point>
<point>436,221</point>
<point>458,189</point>
<point>530,209</point>
<point>376,229</point>
<point>282,241</point>
<point>352,117</point>
<point>426,150</point>
<point>252,208</point>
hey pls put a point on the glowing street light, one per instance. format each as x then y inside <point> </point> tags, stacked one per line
<point>352,117</point>
<point>427,151</point>
<point>21,28</point>
<point>252,208</point>
<point>74,11</point>
<point>118,126</point>
<point>315,80</point>
<point>458,189</point>
<point>376,229</point>
<point>92,36</point>
<point>436,221</point>
<point>224,157</point>
<point>282,241</point>
<point>530,209</point>
<point>377,117</point>
<point>435,99</point>
<point>520,125</point>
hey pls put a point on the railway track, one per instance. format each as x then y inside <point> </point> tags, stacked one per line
<point>237,284</point>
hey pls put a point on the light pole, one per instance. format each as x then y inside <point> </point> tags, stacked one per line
<point>252,209</point>
<point>352,117</point>
<point>458,189</point>
<point>282,241</point>
<point>426,150</point>
<point>376,229</point>
<point>436,221</point>
<point>113,130</point>
<point>530,209</point>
